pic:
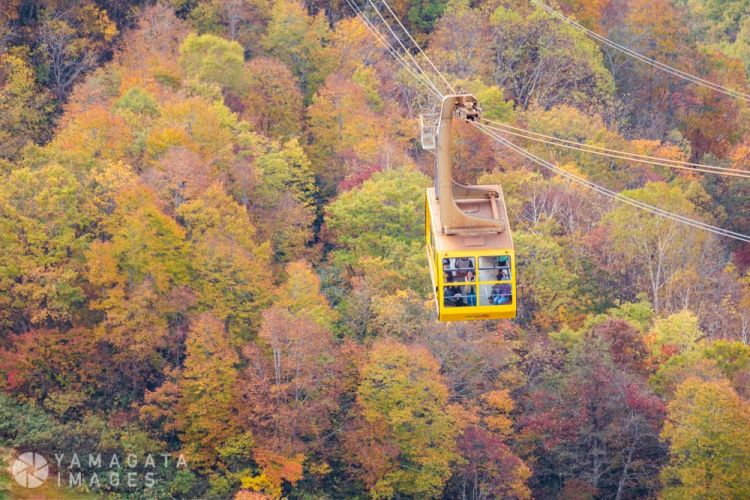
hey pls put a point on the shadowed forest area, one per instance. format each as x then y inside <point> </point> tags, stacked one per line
<point>212,246</point>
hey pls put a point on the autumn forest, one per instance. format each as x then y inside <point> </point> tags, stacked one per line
<point>212,247</point>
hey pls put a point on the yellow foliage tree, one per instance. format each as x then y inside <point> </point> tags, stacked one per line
<point>708,428</point>
<point>232,271</point>
<point>402,390</point>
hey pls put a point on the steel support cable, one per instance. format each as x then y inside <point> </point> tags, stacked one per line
<point>666,162</point>
<point>383,41</point>
<point>393,14</point>
<point>389,47</point>
<point>637,155</point>
<point>609,193</point>
<point>612,194</point>
<point>406,51</point>
<point>647,60</point>
<point>622,155</point>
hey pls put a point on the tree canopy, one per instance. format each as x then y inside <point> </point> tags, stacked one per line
<point>213,247</point>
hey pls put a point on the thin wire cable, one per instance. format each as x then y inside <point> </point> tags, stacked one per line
<point>612,194</point>
<point>406,51</point>
<point>607,192</point>
<point>389,47</point>
<point>418,77</point>
<point>665,162</point>
<point>590,146</point>
<point>622,155</point>
<point>428,84</point>
<point>393,14</point>
<point>652,62</point>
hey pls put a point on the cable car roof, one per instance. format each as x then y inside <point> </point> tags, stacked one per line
<point>477,241</point>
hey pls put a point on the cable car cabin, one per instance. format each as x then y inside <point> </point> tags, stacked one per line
<point>469,245</point>
<point>473,276</point>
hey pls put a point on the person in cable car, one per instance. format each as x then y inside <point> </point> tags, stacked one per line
<point>467,235</point>
<point>453,296</point>
<point>501,294</point>
<point>464,263</point>
<point>468,290</point>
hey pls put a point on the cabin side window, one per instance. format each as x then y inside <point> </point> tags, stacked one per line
<point>459,282</point>
<point>496,269</point>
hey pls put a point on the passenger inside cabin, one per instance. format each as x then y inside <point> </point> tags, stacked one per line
<point>461,266</point>
<point>503,275</point>
<point>464,263</point>
<point>452,296</point>
<point>468,290</point>
<point>501,294</point>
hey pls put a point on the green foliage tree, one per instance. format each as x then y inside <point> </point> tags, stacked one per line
<point>283,199</point>
<point>213,59</point>
<point>423,14</point>
<point>721,359</point>
<point>383,218</point>
<point>542,61</point>
<point>550,284</point>
<point>138,102</point>
<point>639,314</point>
<point>285,168</point>
<point>301,42</point>
<point>677,333</point>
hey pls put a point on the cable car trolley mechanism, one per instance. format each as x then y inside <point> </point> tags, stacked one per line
<point>469,245</point>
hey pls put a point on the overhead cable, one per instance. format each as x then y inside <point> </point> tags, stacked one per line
<point>584,182</point>
<point>429,85</point>
<point>613,194</point>
<point>406,51</point>
<point>447,84</point>
<point>647,60</point>
<point>613,153</point>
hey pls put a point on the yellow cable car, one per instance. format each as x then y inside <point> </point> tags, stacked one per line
<point>469,245</point>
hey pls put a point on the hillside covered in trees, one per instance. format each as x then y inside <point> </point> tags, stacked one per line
<point>212,246</point>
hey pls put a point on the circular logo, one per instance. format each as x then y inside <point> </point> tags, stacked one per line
<point>30,469</point>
